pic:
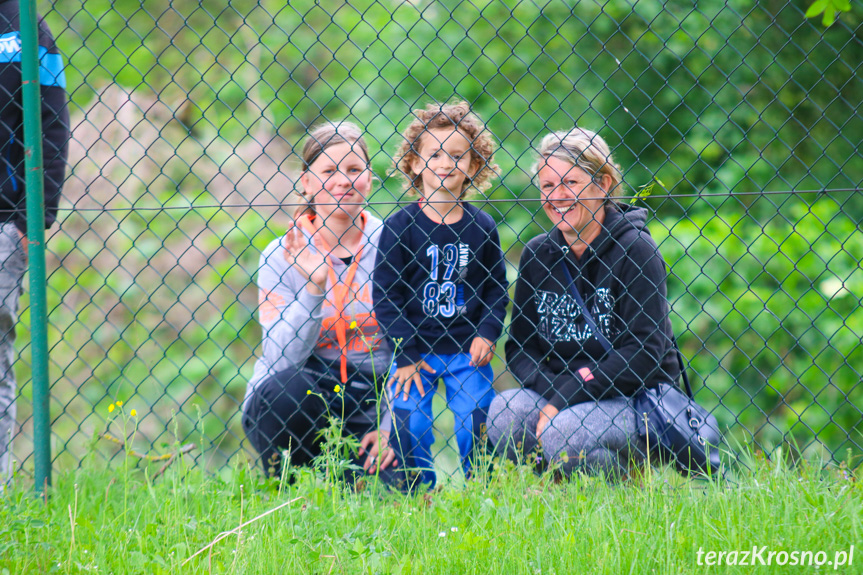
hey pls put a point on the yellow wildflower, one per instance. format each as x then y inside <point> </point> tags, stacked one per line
<point>110,408</point>
<point>354,324</point>
<point>133,413</point>
<point>338,388</point>
<point>119,403</point>
<point>308,392</point>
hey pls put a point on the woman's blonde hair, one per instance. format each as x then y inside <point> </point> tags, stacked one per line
<point>459,116</point>
<point>585,149</point>
<point>321,138</point>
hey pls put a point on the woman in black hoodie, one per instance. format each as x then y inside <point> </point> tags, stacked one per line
<point>576,384</point>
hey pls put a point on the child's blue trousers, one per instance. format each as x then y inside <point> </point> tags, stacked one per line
<point>469,393</point>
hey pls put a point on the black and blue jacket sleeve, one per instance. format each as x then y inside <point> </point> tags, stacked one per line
<point>55,120</point>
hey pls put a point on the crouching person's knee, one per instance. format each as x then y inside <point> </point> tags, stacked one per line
<point>511,425</point>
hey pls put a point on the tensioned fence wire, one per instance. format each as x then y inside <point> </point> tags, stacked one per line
<point>746,116</point>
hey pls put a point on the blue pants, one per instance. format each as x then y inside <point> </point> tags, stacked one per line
<point>469,393</point>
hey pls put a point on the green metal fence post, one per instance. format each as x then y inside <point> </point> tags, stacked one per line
<point>34,183</point>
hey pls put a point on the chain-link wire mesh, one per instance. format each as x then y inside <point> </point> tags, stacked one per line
<point>741,120</point>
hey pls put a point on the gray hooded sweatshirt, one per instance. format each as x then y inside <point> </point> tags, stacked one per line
<point>297,324</point>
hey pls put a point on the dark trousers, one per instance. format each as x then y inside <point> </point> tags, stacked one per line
<point>282,415</point>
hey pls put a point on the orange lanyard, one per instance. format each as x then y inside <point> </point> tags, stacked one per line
<point>340,290</point>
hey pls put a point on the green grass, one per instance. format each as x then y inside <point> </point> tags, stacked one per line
<point>120,521</point>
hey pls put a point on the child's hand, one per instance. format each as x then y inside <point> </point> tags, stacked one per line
<point>410,375</point>
<point>481,351</point>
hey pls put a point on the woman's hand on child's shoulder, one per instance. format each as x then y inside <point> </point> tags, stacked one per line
<point>481,351</point>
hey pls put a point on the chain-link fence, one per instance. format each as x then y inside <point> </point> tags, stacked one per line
<point>737,126</point>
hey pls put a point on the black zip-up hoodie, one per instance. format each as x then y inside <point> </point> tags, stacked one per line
<point>621,278</point>
<point>55,120</point>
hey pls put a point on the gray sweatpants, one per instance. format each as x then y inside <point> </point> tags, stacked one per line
<point>13,263</point>
<point>598,437</point>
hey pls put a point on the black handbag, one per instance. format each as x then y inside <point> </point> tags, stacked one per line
<point>682,431</point>
<point>673,424</point>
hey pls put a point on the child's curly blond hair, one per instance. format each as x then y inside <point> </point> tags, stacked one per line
<point>456,115</point>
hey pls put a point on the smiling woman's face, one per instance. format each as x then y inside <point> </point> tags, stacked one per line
<point>572,199</point>
<point>338,181</point>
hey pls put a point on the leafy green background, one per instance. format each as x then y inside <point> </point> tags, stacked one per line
<point>726,106</point>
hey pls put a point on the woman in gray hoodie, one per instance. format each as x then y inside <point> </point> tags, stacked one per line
<point>322,353</point>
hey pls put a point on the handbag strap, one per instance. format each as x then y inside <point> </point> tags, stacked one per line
<point>682,369</point>
<point>599,335</point>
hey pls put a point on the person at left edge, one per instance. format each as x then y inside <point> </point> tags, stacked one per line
<point>13,197</point>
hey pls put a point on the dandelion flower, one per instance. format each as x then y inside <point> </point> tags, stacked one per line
<point>119,403</point>
<point>308,392</point>
<point>337,388</point>
<point>354,324</point>
<point>110,408</point>
<point>133,413</point>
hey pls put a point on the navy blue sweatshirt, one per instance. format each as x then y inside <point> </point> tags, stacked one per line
<point>438,286</point>
<point>55,120</point>
<point>621,278</point>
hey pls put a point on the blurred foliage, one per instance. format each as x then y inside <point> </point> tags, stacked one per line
<point>733,99</point>
<point>828,10</point>
<point>770,318</point>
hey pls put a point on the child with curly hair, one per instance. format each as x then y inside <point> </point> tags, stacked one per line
<point>440,288</point>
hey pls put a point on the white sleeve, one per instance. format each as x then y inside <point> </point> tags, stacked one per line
<point>290,315</point>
